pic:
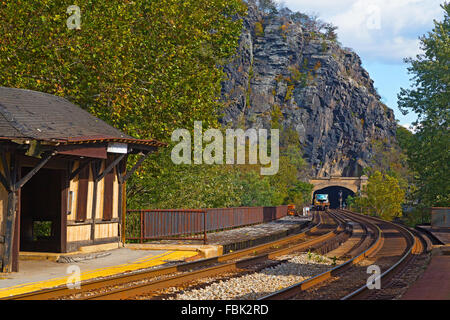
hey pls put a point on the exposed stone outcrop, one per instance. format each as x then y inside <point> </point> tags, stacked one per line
<point>320,88</point>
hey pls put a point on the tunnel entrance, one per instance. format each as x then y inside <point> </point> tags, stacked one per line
<point>333,195</point>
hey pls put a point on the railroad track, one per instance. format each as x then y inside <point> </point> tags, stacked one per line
<point>392,252</point>
<point>389,246</point>
<point>248,261</point>
<point>326,227</point>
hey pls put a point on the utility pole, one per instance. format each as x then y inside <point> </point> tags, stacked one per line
<point>340,199</point>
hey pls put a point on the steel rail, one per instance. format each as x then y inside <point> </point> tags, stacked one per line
<point>122,279</point>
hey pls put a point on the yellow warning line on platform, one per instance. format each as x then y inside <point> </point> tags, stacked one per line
<point>142,263</point>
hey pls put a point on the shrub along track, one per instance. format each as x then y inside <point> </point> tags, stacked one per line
<point>326,229</point>
<point>391,247</point>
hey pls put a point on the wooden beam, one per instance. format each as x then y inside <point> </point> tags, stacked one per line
<point>96,166</point>
<point>110,167</point>
<point>119,209</point>
<point>30,174</point>
<point>4,182</point>
<point>90,150</point>
<point>120,170</point>
<point>5,179</point>
<point>6,169</point>
<point>7,261</point>
<point>82,194</point>
<point>74,173</point>
<point>65,186</point>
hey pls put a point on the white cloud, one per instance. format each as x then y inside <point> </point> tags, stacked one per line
<point>410,127</point>
<point>379,30</point>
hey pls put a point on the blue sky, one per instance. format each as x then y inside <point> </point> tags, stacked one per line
<point>382,32</point>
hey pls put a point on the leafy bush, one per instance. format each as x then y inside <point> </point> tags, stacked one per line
<point>381,197</point>
<point>259,29</point>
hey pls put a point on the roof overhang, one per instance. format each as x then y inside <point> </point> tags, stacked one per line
<point>92,147</point>
<point>84,150</point>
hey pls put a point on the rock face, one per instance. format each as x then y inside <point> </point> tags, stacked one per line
<point>284,67</point>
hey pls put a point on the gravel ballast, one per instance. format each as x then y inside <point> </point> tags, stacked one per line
<point>255,285</point>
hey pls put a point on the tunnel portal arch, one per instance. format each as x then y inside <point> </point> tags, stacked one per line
<point>351,186</point>
<point>334,195</point>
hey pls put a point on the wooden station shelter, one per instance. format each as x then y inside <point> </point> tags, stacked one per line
<point>62,176</point>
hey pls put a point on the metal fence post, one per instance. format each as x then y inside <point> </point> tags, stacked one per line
<point>204,227</point>
<point>142,226</point>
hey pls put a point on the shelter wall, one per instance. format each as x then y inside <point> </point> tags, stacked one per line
<point>3,205</point>
<point>80,233</point>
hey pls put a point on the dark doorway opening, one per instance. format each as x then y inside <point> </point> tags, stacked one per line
<point>334,195</point>
<point>40,211</point>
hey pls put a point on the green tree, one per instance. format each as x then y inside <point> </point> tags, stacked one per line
<point>404,137</point>
<point>300,194</point>
<point>146,67</point>
<point>381,197</point>
<point>429,98</point>
<point>256,190</point>
<point>389,157</point>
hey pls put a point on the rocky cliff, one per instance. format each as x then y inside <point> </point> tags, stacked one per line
<point>284,65</point>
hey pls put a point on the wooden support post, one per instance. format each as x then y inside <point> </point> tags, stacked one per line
<point>119,211</point>
<point>142,226</point>
<point>7,260</point>
<point>65,186</point>
<point>96,165</point>
<point>205,212</point>
<point>123,177</point>
<point>123,211</point>
<point>13,187</point>
<point>120,169</point>
<point>9,232</point>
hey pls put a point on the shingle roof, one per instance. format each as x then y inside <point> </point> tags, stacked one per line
<point>41,116</point>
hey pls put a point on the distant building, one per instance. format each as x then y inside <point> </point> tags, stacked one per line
<point>62,174</point>
<point>440,217</point>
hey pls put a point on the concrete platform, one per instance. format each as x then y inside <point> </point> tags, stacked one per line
<point>204,251</point>
<point>434,283</point>
<point>84,253</point>
<point>442,234</point>
<point>40,274</point>
<point>241,238</point>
